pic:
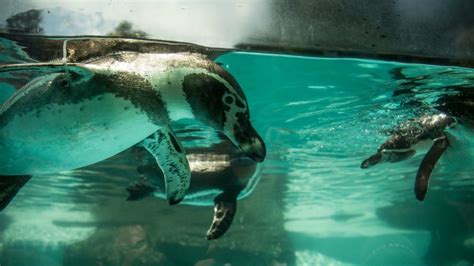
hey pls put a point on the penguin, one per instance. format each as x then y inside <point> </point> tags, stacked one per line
<point>70,114</point>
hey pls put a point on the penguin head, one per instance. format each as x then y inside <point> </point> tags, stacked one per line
<point>241,132</point>
<point>444,121</point>
<point>217,99</point>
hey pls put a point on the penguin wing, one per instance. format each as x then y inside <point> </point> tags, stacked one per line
<point>427,164</point>
<point>171,158</point>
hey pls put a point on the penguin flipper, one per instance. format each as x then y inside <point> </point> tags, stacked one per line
<point>225,207</point>
<point>427,164</point>
<point>140,189</point>
<point>9,186</point>
<point>171,158</point>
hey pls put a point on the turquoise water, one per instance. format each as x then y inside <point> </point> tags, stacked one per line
<point>313,205</point>
<point>321,118</point>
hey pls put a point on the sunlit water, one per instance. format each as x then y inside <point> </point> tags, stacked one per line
<point>320,118</point>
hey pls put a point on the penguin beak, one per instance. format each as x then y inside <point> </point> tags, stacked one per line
<point>256,150</point>
<point>251,143</point>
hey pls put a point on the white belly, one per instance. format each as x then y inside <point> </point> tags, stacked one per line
<point>71,136</point>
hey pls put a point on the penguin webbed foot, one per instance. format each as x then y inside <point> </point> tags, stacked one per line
<point>427,165</point>
<point>225,207</point>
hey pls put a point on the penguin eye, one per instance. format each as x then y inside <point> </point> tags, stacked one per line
<point>229,99</point>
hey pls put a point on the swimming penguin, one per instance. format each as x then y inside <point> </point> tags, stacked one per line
<point>220,175</point>
<point>72,114</point>
<point>454,106</point>
<point>402,145</point>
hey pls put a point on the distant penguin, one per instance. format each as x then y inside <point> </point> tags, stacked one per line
<point>453,107</point>
<point>401,146</point>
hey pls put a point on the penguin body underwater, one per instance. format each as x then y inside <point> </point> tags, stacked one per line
<point>106,95</point>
